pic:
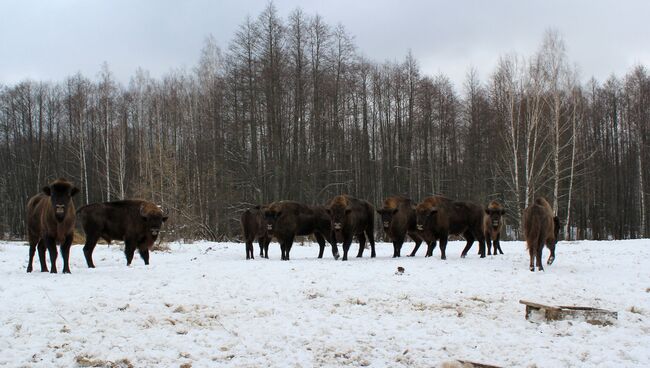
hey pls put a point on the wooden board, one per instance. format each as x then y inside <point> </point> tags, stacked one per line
<point>595,316</point>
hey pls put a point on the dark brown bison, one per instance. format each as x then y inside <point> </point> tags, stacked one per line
<point>253,227</point>
<point>438,217</point>
<point>492,226</point>
<point>287,219</point>
<point>541,228</point>
<point>398,219</point>
<point>136,222</point>
<point>51,220</point>
<point>351,216</point>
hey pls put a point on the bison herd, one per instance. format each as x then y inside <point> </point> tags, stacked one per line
<point>51,219</point>
<point>432,220</point>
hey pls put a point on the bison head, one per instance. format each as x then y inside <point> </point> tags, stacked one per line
<point>386,216</point>
<point>271,216</point>
<point>495,214</point>
<point>60,192</point>
<point>153,219</point>
<point>425,216</point>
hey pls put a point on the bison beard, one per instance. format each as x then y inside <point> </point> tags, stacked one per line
<point>136,222</point>
<point>51,220</point>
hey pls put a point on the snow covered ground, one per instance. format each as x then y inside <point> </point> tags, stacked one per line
<point>205,305</point>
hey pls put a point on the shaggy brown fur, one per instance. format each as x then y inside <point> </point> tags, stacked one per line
<point>437,217</point>
<point>136,222</point>
<point>352,217</point>
<point>51,220</point>
<point>539,229</point>
<point>398,220</point>
<point>492,226</point>
<point>287,219</point>
<point>254,227</point>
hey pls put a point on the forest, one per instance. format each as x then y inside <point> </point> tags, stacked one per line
<point>291,109</point>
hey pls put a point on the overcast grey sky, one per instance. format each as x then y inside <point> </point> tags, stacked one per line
<point>49,40</point>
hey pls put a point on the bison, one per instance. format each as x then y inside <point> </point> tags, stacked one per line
<point>254,227</point>
<point>136,222</point>
<point>398,219</point>
<point>541,227</point>
<point>492,226</point>
<point>287,219</point>
<point>351,216</point>
<point>438,216</point>
<point>51,220</point>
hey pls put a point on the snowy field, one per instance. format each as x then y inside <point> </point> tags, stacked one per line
<point>204,305</point>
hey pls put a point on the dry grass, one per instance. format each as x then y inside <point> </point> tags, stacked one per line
<point>88,361</point>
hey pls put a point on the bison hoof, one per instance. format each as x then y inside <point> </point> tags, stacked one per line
<point>53,271</point>
<point>463,255</point>
<point>66,271</point>
<point>532,269</point>
<point>443,257</point>
<point>29,269</point>
<point>482,255</point>
<point>550,260</point>
<point>44,270</point>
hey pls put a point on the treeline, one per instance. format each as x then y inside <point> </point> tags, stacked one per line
<point>291,110</point>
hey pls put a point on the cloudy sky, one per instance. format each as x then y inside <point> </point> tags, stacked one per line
<point>49,40</point>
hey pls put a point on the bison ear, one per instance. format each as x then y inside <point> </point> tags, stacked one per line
<point>380,211</point>
<point>329,212</point>
<point>74,191</point>
<point>347,211</point>
<point>487,211</point>
<point>165,218</point>
<point>395,210</point>
<point>46,190</point>
<point>503,212</point>
<point>257,207</point>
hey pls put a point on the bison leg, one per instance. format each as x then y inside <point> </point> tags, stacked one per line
<point>397,247</point>
<point>418,242</point>
<point>540,249</point>
<point>321,244</point>
<point>371,239</point>
<point>129,251</point>
<point>469,237</point>
<point>32,252</point>
<point>249,249</point>
<point>362,244</point>
<point>481,244</point>
<point>488,245</point>
<point>260,243</point>
<point>443,247</point>
<point>431,245</point>
<point>41,255</point>
<point>335,248</point>
<point>531,253</point>
<point>89,247</point>
<point>267,241</point>
<point>51,247</point>
<point>144,253</point>
<point>497,245</point>
<point>551,258</point>
<point>65,253</point>
<point>346,247</point>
